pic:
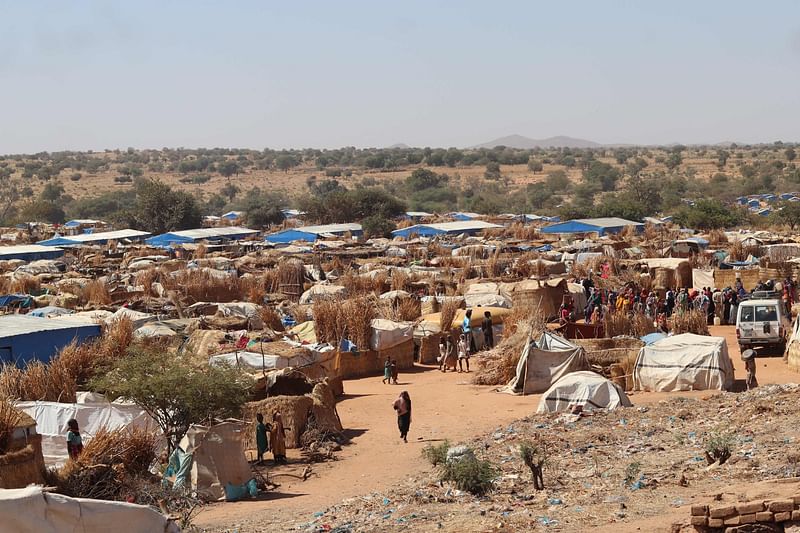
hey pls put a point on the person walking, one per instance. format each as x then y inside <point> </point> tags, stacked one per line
<point>463,352</point>
<point>488,332</point>
<point>394,371</point>
<point>466,329</point>
<point>402,406</point>
<point>446,355</point>
<point>749,358</point>
<point>387,371</point>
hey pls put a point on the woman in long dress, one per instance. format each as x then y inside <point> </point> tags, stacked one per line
<point>402,407</point>
<point>277,440</point>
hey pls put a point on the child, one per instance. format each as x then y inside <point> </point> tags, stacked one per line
<point>394,371</point>
<point>749,358</point>
<point>277,439</point>
<point>261,437</point>
<point>463,352</point>
<point>387,372</point>
<point>74,441</point>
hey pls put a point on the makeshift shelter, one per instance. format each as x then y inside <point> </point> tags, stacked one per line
<point>312,233</point>
<point>584,390</point>
<point>26,338</point>
<point>601,226</point>
<point>546,295</point>
<point>321,291</point>
<point>102,237</point>
<point>223,233</point>
<point>22,463</point>
<point>668,272</point>
<point>219,466</point>
<point>792,354</point>
<point>33,510</point>
<point>29,252</point>
<point>466,227</point>
<point>544,362</point>
<point>684,362</point>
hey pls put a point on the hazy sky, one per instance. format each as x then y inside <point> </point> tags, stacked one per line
<point>93,75</point>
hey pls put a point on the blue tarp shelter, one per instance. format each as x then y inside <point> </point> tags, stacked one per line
<point>29,252</point>
<point>26,338</point>
<point>166,240</point>
<point>601,226</point>
<point>95,238</point>
<point>469,227</point>
<point>312,233</point>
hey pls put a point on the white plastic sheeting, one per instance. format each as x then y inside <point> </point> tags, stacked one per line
<point>684,362</point>
<point>544,362</point>
<point>585,389</point>
<point>387,333</point>
<point>51,422</point>
<point>255,361</point>
<point>30,510</point>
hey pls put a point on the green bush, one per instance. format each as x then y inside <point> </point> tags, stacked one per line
<point>436,455</point>
<point>470,474</point>
<point>719,447</point>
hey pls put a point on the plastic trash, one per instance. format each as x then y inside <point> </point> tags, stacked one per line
<point>554,501</point>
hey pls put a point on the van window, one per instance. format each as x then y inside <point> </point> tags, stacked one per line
<point>746,313</point>
<point>766,313</point>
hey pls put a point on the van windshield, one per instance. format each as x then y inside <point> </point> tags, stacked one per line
<point>746,314</point>
<point>766,313</point>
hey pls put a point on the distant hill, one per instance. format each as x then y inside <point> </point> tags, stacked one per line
<point>401,146</point>
<point>526,143</point>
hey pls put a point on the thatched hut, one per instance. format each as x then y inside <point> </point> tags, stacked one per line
<point>22,464</point>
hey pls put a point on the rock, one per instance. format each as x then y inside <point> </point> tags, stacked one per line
<point>781,506</point>
<point>699,510</point>
<point>456,453</point>
<point>749,507</point>
<point>722,512</point>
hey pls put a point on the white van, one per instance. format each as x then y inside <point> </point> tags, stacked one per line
<point>762,322</point>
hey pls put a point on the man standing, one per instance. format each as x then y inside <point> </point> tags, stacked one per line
<point>488,333</point>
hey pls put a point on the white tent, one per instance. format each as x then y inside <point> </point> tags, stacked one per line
<point>544,362</point>
<point>684,362</point>
<point>321,291</point>
<point>585,389</point>
<point>32,510</point>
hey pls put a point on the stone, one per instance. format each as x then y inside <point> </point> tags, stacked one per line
<point>791,527</point>
<point>783,517</point>
<point>781,506</point>
<point>716,522</point>
<point>699,510</point>
<point>765,516</point>
<point>733,520</point>
<point>749,507</point>
<point>749,518</point>
<point>700,521</point>
<point>722,512</point>
<point>795,515</point>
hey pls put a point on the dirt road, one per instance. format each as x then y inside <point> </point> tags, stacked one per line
<point>445,406</point>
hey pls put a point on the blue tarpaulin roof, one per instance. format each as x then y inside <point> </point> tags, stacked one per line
<point>601,226</point>
<point>27,338</point>
<point>291,235</point>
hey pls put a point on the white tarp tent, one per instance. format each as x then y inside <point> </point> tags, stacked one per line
<point>31,510</point>
<point>257,361</point>
<point>684,362</point>
<point>51,422</point>
<point>544,362</point>
<point>387,333</point>
<point>321,291</point>
<point>585,389</point>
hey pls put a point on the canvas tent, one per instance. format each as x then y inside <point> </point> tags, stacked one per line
<point>544,362</point>
<point>684,362</point>
<point>585,389</point>
<point>218,459</point>
<point>32,510</point>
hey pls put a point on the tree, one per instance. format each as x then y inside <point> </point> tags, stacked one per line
<point>790,154</point>
<point>673,161</point>
<point>557,180</point>
<point>159,209</point>
<point>174,392</point>
<point>285,162</point>
<point>722,158</point>
<point>42,211</point>
<point>708,214</point>
<point>534,165</point>
<point>230,190</point>
<point>602,174</point>
<point>52,191</point>
<point>228,168</point>
<point>492,171</point>
<point>377,226</point>
<point>789,214</point>
<point>423,178</point>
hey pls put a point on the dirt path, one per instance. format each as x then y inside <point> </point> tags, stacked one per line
<point>446,406</point>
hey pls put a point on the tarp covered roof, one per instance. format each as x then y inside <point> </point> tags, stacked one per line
<point>29,252</point>
<point>427,230</point>
<point>192,235</point>
<point>95,238</point>
<point>311,233</point>
<point>600,226</point>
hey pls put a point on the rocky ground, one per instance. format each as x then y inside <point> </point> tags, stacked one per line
<point>609,469</point>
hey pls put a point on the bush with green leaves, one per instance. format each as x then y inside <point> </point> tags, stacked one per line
<point>719,447</point>
<point>436,454</point>
<point>470,474</point>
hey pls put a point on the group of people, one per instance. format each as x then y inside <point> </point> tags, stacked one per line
<point>390,371</point>
<point>465,346</point>
<point>271,437</point>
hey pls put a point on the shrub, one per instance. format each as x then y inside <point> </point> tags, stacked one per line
<point>719,447</point>
<point>471,474</point>
<point>436,455</point>
<point>534,458</point>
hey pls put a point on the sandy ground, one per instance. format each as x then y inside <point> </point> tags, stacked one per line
<point>446,406</point>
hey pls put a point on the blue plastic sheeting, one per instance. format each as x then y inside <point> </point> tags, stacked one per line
<point>22,341</point>
<point>36,255</point>
<point>166,240</point>
<point>57,241</point>
<point>9,299</point>
<point>420,231</point>
<point>544,248</point>
<point>577,226</point>
<point>652,337</point>
<point>42,312</point>
<point>291,235</point>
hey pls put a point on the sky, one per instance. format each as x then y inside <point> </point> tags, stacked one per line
<point>325,74</point>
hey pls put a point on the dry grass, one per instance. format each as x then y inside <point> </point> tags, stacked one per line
<point>351,319</point>
<point>402,310</point>
<point>199,285</point>
<point>146,278</point>
<point>9,418</point>
<point>448,312</point>
<point>271,318</point>
<point>356,285</point>
<point>499,365</point>
<point>635,325</point>
<point>717,237</point>
<point>691,321</point>
<point>95,293</point>
<point>24,284</point>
